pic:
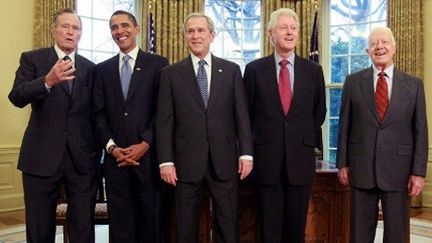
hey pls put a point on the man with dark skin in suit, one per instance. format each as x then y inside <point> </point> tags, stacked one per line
<point>201,128</point>
<point>383,143</point>
<point>124,109</point>
<point>58,145</point>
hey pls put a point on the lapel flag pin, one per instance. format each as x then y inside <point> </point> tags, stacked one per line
<point>220,70</point>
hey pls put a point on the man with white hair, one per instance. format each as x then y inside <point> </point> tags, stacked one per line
<point>286,99</point>
<point>383,143</point>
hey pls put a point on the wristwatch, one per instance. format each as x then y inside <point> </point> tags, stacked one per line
<point>111,148</point>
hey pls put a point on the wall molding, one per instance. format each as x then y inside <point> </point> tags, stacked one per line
<point>11,192</point>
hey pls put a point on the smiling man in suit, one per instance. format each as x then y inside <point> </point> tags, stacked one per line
<point>124,106</point>
<point>287,107</point>
<point>202,126</point>
<point>58,145</point>
<point>383,143</point>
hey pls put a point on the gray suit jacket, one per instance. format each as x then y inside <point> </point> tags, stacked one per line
<point>386,154</point>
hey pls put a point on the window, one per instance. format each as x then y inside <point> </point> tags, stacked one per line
<point>238,29</point>
<point>350,25</point>
<point>96,43</point>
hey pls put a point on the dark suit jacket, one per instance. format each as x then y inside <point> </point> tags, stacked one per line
<point>57,118</point>
<point>188,134</point>
<point>277,135</point>
<point>386,154</point>
<point>129,121</point>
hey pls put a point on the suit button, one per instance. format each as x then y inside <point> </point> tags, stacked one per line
<point>125,114</point>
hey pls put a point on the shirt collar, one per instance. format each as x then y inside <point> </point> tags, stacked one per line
<point>388,71</point>
<point>207,58</point>
<point>132,54</point>
<point>61,54</point>
<point>290,58</point>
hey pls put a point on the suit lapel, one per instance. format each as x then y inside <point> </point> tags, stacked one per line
<point>77,83</point>
<point>397,97</point>
<point>300,84</point>
<point>188,75</point>
<point>113,69</point>
<point>269,70</point>
<point>367,89</point>
<point>136,74</point>
<point>216,80</point>
<point>52,59</point>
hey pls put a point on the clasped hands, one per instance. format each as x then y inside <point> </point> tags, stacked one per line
<point>169,175</point>
<point>63,70</point>
<point>131,155</point>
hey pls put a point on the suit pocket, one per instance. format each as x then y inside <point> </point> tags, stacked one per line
<point>405,150</point>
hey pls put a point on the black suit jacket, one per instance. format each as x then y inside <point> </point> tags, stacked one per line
<point>277,136</point>
<point>129,121</point>
<point>385,154</point>
<point>188,134</point>
<point>57,118</point>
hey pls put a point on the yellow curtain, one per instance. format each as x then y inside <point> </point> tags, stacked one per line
<point>43,12</point>
<point>305,10</point>
<point>405,20</point>
<point>169,16</point>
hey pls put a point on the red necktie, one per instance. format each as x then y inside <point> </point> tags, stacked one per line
<point>285,86</point>
<point>381,96</point>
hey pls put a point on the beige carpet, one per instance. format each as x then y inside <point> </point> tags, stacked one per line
<point>421,231</point>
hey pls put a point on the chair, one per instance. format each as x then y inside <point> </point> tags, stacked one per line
<point>101,209</point>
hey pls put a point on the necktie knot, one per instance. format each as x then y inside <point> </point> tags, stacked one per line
<point>283,63</point>
<point>202,63</point>
<point>126,58</point>
<point>65,58</point>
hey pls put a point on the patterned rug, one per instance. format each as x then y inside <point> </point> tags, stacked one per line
<point>421,232</point>
<point>17,234</point>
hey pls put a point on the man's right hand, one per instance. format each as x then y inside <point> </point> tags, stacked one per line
<point>343,175</point>
<point>120,155</point>
<point>60,72</point>
<point>168,174</point>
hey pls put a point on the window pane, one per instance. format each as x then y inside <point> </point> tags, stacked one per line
<point>102,8</point>
<point>102,40</point>
<point>332,156</point>
<point>335,101</point>
<point>334,129</point>
<point>238,29</point>
<point>84,8</point>
<point>378,10</point>
<point>358,63</point>
<point>340,12</point>
<point>86,37</point>
<point>359,37</point>
<point>339,40</point>
<point>339,69</point>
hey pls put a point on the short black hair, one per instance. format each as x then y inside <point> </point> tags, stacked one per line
<point>60,12</point>
<point>130,16</point>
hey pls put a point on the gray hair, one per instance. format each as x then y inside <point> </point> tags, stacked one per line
<point>381,29</point>
<point>63,11</point>
<point>210,23</point>
<point>282,12</point>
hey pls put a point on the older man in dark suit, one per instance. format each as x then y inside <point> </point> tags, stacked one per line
<point>202,126</point>
<point>58,145</point>
<point>124,106</point>
<point>287,107</point>
<point>383,143</point>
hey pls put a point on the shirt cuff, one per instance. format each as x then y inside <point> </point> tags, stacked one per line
<point>246,157</point>
<point>47,87</point>
<point>110,142</point>
<point>165,163</point>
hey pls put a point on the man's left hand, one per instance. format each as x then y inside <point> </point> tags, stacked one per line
<point>245,167</point>
<point>137,151</point>
<point>415,185</point>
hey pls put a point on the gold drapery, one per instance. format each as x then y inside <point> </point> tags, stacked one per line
<point>43,12</point>
<point>169,16</point>
<point>405,20</point>
<point>305,10</point>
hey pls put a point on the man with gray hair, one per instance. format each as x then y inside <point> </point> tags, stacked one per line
<point>383,142</point>
<point>202,125</point>
<point>287,107</point>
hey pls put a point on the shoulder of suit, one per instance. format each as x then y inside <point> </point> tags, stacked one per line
<point>404,75</point>
<point>258,62</point>
<point>84,61</point>
<point>39,51</point>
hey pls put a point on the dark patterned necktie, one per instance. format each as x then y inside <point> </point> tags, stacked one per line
<point>285,86</point>
<point>381,96</point>
<point>202,81</point>
<point>69,82</point>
